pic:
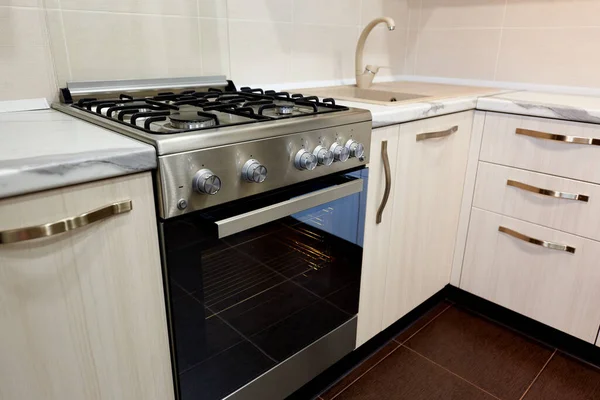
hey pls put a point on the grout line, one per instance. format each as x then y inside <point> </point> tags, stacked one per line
<point>423,327</point>
<point>367,371</point>
<point>538,374</point>
<point>447,370</point>
<point>500,40</point>
<point>199,28</point>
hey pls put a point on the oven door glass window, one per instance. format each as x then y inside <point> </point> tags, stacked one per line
<point>254,282</point>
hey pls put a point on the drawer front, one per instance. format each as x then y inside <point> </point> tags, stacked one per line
<point>555,287</point>
<point>502,145</point>
<point>559,203</point>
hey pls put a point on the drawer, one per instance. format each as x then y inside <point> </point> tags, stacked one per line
<point>512,192</point>
<point>502,145</point>
<point>557,288</point>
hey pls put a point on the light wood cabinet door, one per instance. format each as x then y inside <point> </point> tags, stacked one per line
<point>377,236</point>
<point>428,188</point>
<point>82,313</point>
<point>555,287</point>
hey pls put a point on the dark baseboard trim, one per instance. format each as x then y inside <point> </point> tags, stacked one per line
<point>525,325</point>
<point>337,371</point>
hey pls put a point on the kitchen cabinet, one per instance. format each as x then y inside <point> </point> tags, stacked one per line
<point>408,255</point>
<point>82,313</point>
<point>428,187</point>
<point>376,236</point>
<point>556,287</point>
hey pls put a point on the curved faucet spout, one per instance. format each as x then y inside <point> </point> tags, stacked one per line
<point>365,77</point>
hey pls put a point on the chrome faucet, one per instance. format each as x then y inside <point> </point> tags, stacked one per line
<point>364,79</point>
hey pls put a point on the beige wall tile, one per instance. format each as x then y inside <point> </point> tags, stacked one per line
<point>386,48</point>
<point>58,47</point>
<point>457,53</point>
<point>323,52</point>
<point>260,10</point>
<point>162,7</point>
<point>410,56</point>
<point>328,12</point>
<point>26,69</point>
<point>396,9</point>
<point>135,46</point>
<point>212,8</point>
<point>552,13</point>
<point>550,56</point>
<point>21,27</point>
<point>436,14</point>
<point>215,46</point>
<point>22,3</point>
<point>260,52</point>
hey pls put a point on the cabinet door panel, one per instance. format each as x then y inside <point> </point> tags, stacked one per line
<point>557,288</point>
<point>427,198</point>
<point>376,236</point>
<point>82,314</point>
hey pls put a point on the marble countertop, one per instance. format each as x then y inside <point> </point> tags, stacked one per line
<point>548,105</point>
<point>47,149</point>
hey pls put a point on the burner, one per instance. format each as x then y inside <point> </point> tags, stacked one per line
<point>286,109</point>
<point>191,120</point>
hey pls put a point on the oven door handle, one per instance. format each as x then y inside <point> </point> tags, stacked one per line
<point>242,222</point>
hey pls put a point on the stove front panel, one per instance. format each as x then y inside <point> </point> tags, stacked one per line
<point>176,172</point>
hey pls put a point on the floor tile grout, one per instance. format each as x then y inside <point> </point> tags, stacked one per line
<point>538,374</point>
<point>367,371</point>
<point>453,373</point>
<point>423,327</point>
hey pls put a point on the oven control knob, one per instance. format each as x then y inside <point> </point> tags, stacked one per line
<point>205,182</point>
<point>340,153</point>
<point>254,172</point>
<point>305,160</point>
<point>324,155</point>
<point>355,149</point>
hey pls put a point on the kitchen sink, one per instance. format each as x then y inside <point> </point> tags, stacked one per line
<point>353,93</point>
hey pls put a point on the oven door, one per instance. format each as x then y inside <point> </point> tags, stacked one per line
<point>263,292</point>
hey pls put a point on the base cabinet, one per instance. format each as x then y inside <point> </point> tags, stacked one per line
<point>408,255</point>
<point>82,313</point>
<point>428,187</point>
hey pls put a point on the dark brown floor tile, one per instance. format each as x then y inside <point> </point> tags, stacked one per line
<point>360,370</point>
<point>407,375</point>
<point>566,378</point>
<point>424,320</point>
<point>490,356</point>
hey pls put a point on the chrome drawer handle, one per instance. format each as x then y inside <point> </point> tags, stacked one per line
<point>548,192</point>
<point>64,225</point>
<point>543,243</point>
<point>558,138</point>
<point>439,134</point>
<point>388,181</point>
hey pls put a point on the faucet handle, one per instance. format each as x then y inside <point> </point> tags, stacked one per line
<point>372,69</point>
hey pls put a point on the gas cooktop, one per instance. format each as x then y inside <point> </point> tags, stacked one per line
<point>183,118</point>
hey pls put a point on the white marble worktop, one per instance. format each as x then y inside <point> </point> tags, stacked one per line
<point>48,149</point>
<point>548,105</point>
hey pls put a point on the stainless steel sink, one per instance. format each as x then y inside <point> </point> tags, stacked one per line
<point>353,93</point>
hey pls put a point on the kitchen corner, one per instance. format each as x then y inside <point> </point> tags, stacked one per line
<point>299,199</point>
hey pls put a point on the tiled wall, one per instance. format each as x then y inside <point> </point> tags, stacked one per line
<point>553,42</point>
<point>44,43</point>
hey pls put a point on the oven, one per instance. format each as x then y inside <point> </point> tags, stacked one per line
<point>263,291</point>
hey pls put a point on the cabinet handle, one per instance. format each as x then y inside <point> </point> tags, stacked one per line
<point>64,225</point>
<point>388,181</point>
<point>543,243</point>
<point>438,134</point>
<point>559,138</point>
<point>548,192</point>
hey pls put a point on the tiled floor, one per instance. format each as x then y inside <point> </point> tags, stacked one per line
<point>451,353</point>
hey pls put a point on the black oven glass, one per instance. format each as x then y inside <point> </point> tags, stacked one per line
<point>244,303</point>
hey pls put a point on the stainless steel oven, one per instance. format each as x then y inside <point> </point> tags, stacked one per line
<point>263,291</point>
